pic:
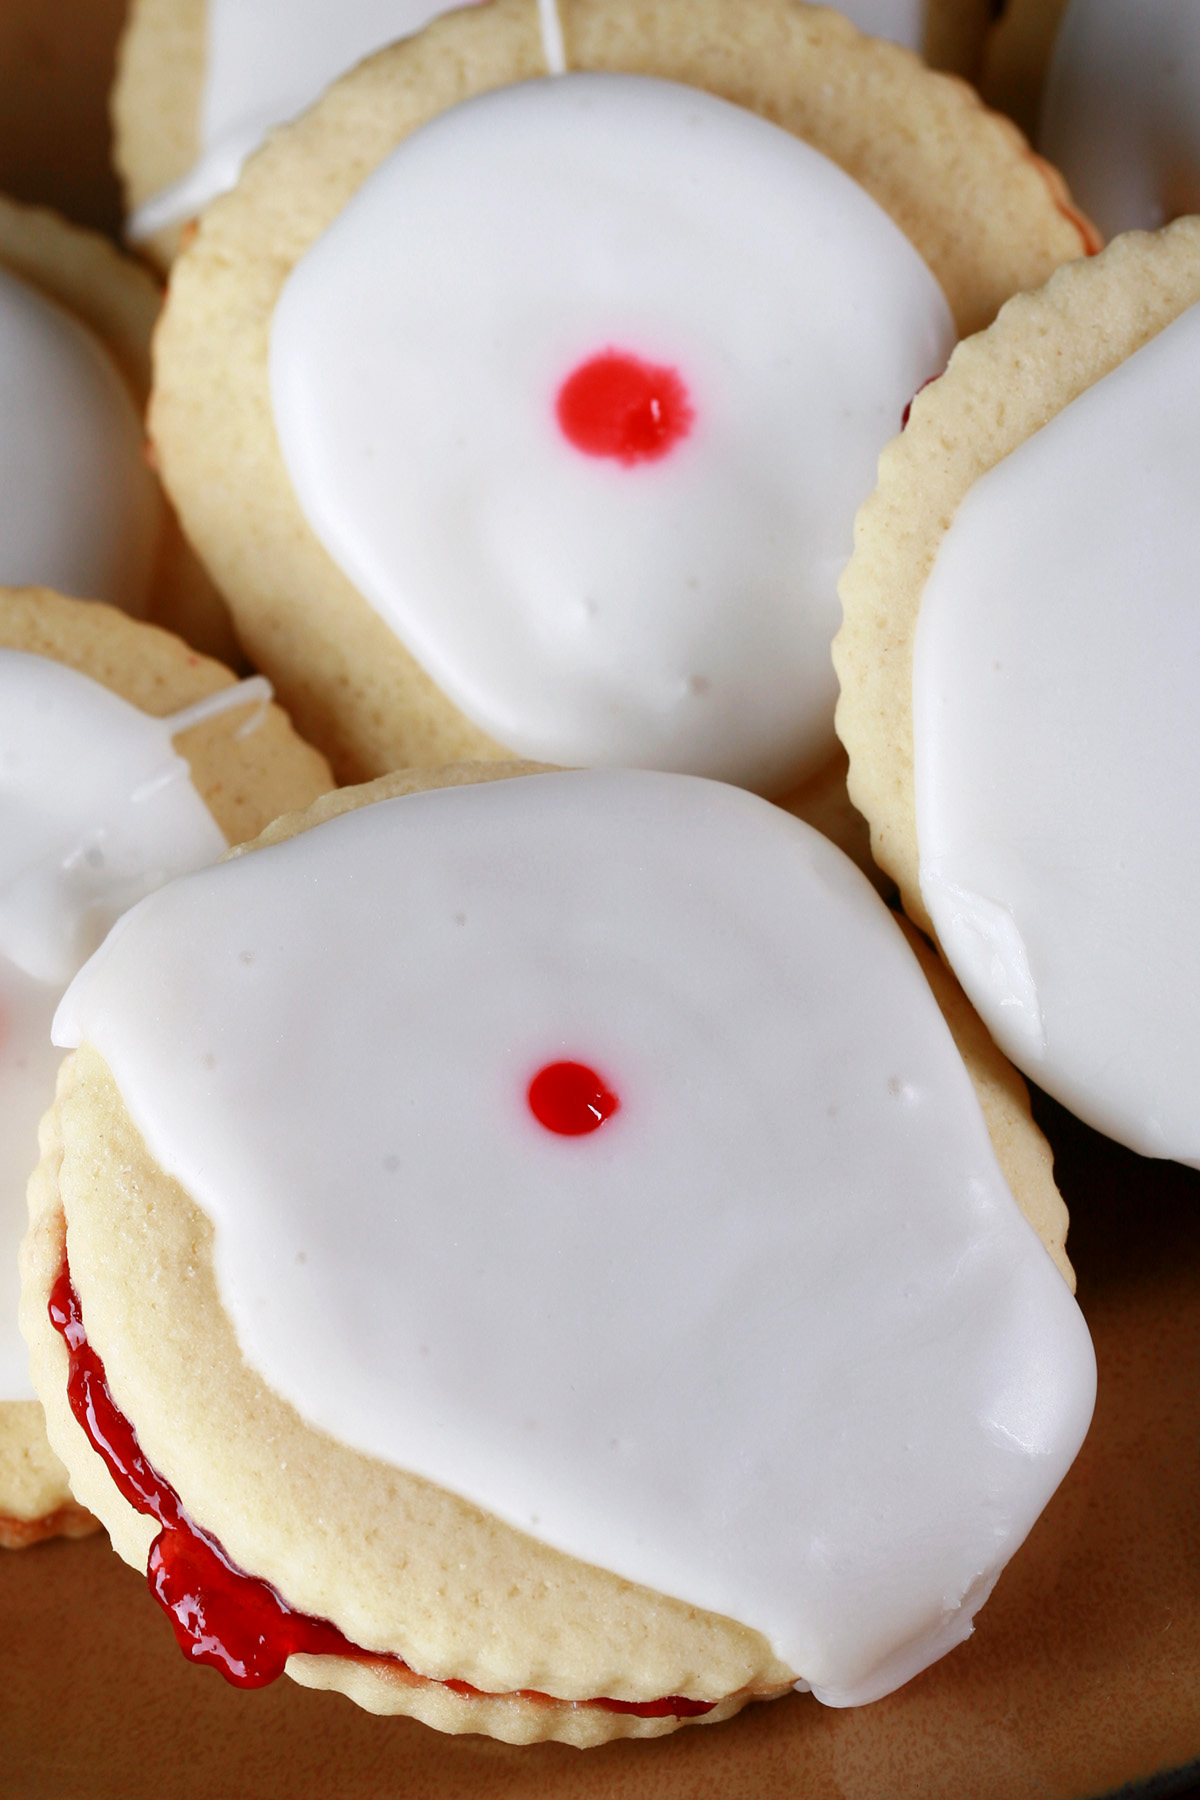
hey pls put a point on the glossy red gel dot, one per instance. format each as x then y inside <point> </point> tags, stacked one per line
<point>570,1098</point>
<point>617,405</point>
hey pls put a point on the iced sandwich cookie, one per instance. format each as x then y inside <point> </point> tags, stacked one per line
<point>469,1130</point>
<point>124,759</point>
<point>1018,668</point>
<point>1111,94</point>
<point>507,425</point>
<point>201,82</point>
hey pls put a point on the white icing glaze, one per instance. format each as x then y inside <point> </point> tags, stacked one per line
<point>1121,110</point>
<point>676,614</point>
<point>79,509</point>
<point>268,60</point>
<point>1057,759</point>
<point>95,810</point>
<point>774,1339</point>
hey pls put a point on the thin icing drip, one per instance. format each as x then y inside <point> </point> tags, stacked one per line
<point>221,1616</point>
<point>570,1099</point>
<point>79,510</point>
<point>797,1179</point>
<point>1121,111</point>
<point>553,48</point>
<point>268,60</point>
<point>671,611</point>
<point>1057,759</point>
<point>95,810</point>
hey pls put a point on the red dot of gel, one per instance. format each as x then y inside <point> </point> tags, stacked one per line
<point>617,405</point>
<point>570,1098</point>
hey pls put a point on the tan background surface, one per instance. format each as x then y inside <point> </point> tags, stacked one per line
<point>1085,1671</point>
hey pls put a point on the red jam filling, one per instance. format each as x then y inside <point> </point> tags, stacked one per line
<point>220,1615</point>
<point>570,1099</point>
<point>619,406</point>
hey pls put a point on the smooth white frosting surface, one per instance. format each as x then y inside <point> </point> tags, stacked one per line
<point>266,61</point>
<point>79,509</point>
<point>95,810</point>
<point>672,614</point>
<point>774,1339</point>
<point>1121,110</point>
<point>1057,754</point>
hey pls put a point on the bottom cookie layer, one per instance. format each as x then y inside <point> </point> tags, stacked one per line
<point>242,1626</point>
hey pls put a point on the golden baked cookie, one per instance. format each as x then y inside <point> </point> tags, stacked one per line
<point>986,216</point>
<point>246,765</point>
<point>117,302</point>
<point>171,167</point>
<point>1025,426</point>
<point>472,1620</point>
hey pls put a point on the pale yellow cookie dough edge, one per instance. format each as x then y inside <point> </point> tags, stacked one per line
<point>478,1601</point>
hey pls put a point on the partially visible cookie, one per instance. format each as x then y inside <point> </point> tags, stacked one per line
<point>648,1226</point>
<point>560,526</point>
<point>1016,55</point>
<point>1111,94</point>
<point>82,511</point>
<point>78,846</point>
<point>201,82</point>
<point>1016,666</point>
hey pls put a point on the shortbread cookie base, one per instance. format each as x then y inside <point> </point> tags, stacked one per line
<point>245,782</point>
<point>1044,350</point>
<point>398,1563</point>
<point>988,217</point>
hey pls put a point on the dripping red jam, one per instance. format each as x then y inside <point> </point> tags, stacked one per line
<point>235,1622</point>
<point>618,406</point>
